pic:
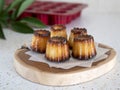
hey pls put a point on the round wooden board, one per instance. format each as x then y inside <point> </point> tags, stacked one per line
<point>41,73</point>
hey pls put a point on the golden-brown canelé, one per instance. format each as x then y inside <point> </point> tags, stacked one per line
<point>57,49</point>
<point>74,33</point>
<point>39,40</point>
<point>83,47</point>
<point>58,30</point>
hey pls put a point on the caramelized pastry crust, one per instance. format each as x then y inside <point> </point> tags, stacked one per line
<point>39,40</point>
<point>84,47</point>
<point>74,33</point>
<point>58,30</point>
<point>57,49</point>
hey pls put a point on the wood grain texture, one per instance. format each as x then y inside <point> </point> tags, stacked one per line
<point>41,73</point>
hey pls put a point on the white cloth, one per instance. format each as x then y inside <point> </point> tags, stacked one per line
<point>34,56</point>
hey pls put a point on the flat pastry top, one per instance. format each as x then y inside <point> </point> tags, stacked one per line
<point>83,38</point>
<point>42,33</point>
<point>58,27</point>
<point>79,31</point>
<point>57,39</point>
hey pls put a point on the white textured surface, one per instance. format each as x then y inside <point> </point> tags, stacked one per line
<point>104,27</point>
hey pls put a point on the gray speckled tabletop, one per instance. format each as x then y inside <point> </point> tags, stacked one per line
<point>104,27</point>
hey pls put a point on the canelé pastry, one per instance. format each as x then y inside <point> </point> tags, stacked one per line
<point>39,40</point>
<point>74,33</point>
<point>83,47</point>
<point>57,49</point>
<point>58,30</point>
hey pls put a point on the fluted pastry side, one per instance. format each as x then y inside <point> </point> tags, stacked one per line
<point>84,47</point>
<point>74,33</point>
<point>58,30</point>
<point>39,40</point>
<point>57,49</point>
